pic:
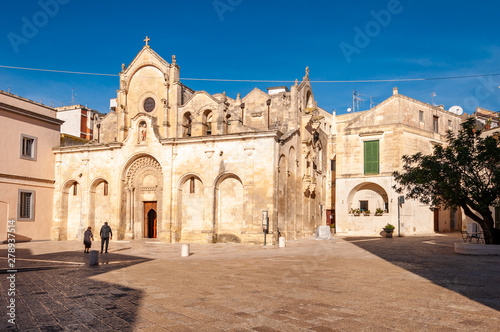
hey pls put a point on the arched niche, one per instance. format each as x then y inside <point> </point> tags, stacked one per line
<point>99,204</point>
<point>368,193</point>
<point>229,218</point>
<point>190,208</point>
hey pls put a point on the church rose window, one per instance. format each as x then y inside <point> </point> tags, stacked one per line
<point>149,104</point>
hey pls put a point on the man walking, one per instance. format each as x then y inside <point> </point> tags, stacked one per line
<point>106,234</point>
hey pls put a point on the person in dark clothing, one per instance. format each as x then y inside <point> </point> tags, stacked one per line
<point>106,234</point>
<point>88,237</point>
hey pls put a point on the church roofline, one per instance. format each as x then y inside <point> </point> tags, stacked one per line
<point>203,92</point>
<point>254,90</point>
<point>144,49</point>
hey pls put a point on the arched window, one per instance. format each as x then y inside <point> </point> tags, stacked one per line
<point>309,101</point>
<point>186,124</point>
<point>191,185</point>
<point>207,122</point>
<point>227,123</point>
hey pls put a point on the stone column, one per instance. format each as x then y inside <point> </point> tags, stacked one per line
<point>127,213</point>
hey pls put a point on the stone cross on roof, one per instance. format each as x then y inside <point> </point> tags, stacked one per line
<point>146,40</point>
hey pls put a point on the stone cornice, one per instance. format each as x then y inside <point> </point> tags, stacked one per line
<point>30,114</point>
<point>25,99</point>
<point>217,138</point>
<point>25,178</point>
<point>87,147</point>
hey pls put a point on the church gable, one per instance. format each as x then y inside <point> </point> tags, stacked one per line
<point>383,114</point>
<point>200,98</point>
<point>256,95</point>
<point>145,57</point>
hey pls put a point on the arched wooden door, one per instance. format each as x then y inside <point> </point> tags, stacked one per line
<point>150,220</point>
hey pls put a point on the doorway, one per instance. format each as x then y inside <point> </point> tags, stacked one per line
<point>436,220</point>
<point>150,220</point>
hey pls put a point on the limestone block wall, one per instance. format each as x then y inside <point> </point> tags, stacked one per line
<point>107,132</point>
<point>233,184</point>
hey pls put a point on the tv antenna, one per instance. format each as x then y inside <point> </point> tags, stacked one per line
<point>433,94</point>
<point>73,96</point>
<point>356,98</point>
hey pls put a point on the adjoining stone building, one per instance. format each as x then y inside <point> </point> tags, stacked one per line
<point>29,130</point>
<point>183,165</point>
<point>368,147</point>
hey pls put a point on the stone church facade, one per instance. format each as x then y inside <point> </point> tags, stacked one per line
<point>187,166</point>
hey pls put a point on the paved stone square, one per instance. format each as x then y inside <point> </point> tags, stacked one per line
<point>348,284</point>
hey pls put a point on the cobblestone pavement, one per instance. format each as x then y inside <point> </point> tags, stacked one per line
<point>348,284</point>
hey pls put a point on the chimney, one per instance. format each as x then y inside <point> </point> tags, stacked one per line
<point>394,91</point>
<point>441,107</point>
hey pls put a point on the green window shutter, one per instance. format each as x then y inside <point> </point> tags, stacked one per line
<point>371,157</point>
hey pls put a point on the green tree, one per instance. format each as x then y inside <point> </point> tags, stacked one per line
<point>463,173</point>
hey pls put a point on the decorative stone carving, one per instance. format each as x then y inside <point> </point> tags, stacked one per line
<point>138,165</point>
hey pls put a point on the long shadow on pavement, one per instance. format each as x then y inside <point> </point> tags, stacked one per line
<point>55,292</point>
<point>434,258</point>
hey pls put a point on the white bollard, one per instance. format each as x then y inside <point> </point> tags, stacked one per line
<point>185,250</point>
<point>94,257</point>
<point>282,242</point>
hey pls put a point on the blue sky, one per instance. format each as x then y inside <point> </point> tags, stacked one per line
<point>258,40</point>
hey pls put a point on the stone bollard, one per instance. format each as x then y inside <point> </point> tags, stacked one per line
<point>94,257</point>
<point>185,250</point>
<point>282,242</point>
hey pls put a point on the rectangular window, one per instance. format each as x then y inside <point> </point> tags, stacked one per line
<point>28,147</point>
<point>421,116</point>
<point>363,205</point>
<point>333,165</point>
<point>436,124</point>
<point>26,205</point>
<point>449,124</point>
<point>371,157</point>
<point>105,189</point>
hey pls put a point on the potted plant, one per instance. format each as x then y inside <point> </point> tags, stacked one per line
<point>488,124</point>
<point>332,228</point>
<point>366,212</point>
<point>388,229</point>
<point>379,212</point>
<point>357,212</point>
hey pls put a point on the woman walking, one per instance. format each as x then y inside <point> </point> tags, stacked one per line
<point>88,237</point>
